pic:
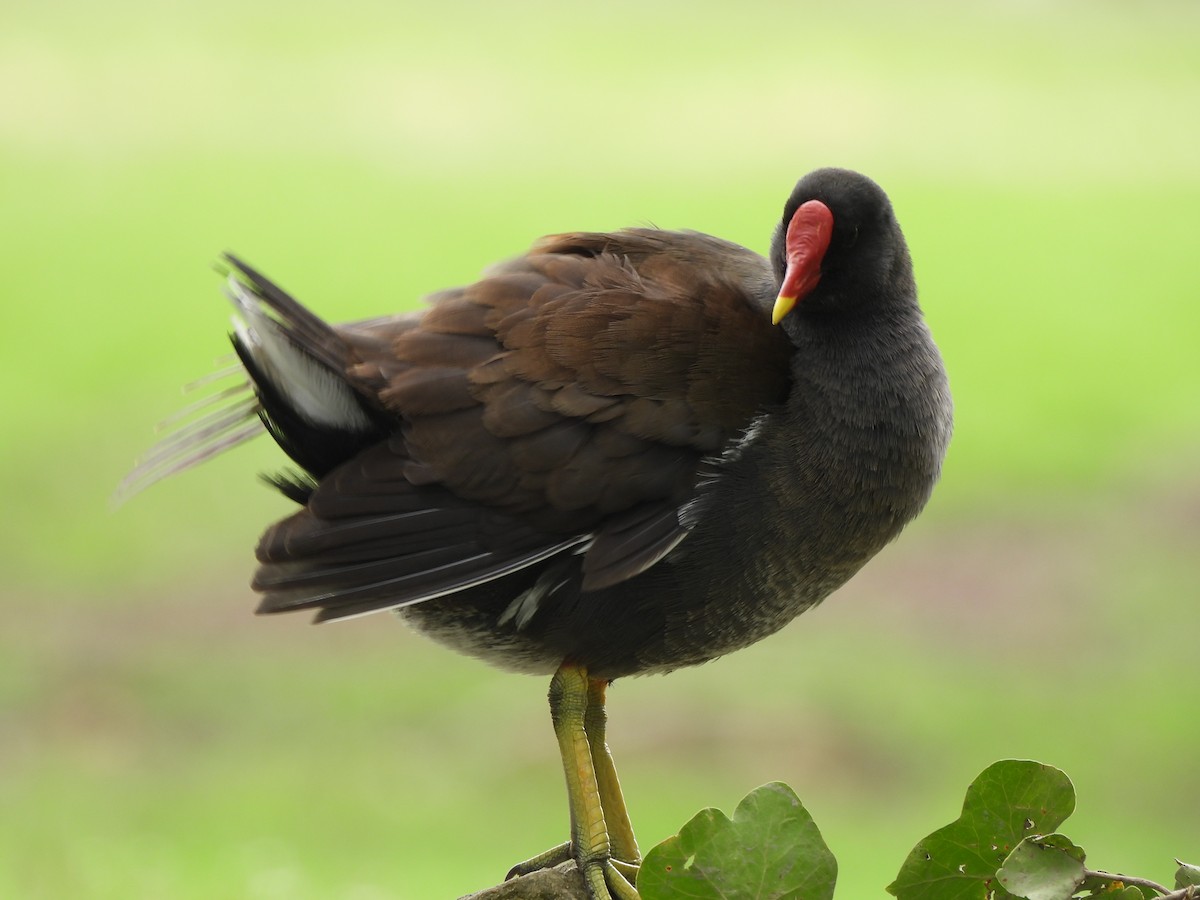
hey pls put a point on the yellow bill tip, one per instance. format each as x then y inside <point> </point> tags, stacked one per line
<point>783,306</point>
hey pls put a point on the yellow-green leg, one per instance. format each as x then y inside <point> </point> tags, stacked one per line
<point>593,792</point>
<point>623,843</point>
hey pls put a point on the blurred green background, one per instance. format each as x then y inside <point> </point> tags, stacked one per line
<point>158,741</point>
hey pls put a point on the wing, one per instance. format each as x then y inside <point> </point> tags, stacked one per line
<point>562,406</point>
<point>578,388</point>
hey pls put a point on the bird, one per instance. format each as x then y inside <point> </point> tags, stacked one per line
<point>617,454</point>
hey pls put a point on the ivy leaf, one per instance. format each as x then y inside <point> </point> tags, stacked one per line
<point>1010,800</point>
<point>770,850</point>
<point>1047,867</point>
<point>1186,875</point>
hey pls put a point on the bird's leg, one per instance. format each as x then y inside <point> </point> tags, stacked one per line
<point>622,842</point>
<point>570,694</point>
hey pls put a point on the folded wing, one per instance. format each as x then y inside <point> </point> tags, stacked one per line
<point>562,407</point>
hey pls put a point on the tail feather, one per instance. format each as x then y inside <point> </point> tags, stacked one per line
<point>295,384</point>
<point>231,417</point>
<point>256,296</point>
<point>301,363</point>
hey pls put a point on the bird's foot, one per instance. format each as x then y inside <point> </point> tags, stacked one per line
<point>605,878</point>
<point>627,870</point>
<point>548,860</point>
<point>606,882</point>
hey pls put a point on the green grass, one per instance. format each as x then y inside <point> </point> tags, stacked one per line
<point>157,741</point>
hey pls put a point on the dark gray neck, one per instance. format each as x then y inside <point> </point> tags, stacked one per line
<point>869,412</point>
<point>848,461</point>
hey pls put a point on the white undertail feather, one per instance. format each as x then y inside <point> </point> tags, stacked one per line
<point>229,416</point>
<point>319,395</point>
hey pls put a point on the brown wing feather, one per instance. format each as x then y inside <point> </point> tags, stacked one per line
<point>570,394</point>
<point>629,361</point>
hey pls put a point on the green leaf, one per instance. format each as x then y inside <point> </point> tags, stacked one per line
<point>1186,874</point>
<point>770,850</point>
<point>1043,868</point>
<point>1010,800</point>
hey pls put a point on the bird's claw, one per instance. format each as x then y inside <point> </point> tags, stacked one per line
<point>604,879</point>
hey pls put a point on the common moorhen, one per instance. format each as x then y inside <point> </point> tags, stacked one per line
<point>601,459</point>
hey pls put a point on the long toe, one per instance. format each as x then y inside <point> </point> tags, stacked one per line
<point>548,860</point>
<point>605,882</point>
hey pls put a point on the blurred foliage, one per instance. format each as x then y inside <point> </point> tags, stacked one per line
<point>157,741</point>
<point>1002,847</point>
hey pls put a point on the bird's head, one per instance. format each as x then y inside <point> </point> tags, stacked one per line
<point>838,247</point>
